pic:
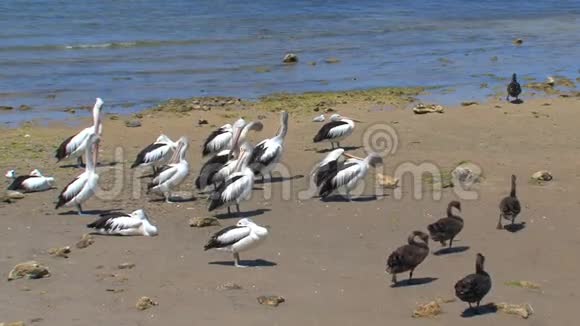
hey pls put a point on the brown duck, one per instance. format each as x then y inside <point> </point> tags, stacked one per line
<point>474,287</point>
<point>409,256</point>
<point>509,207</point>
<point>448,227</point>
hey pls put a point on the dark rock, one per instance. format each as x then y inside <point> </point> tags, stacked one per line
<point>133,123</point>
<point>114,117</point>
<point>518,41</point>
<point>6,108</point>
<point>290,58</point>
<point>202,122</point>
<point>24,107</point>
<point>261,117</point>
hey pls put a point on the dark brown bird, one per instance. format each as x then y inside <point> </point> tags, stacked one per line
<point>509,207</point>
<point>408,257</point>
<point>474,287</point>
<point>448,227</point>
<point>513,89</point>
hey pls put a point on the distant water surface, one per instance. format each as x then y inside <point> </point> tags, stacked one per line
<point>135,53</point>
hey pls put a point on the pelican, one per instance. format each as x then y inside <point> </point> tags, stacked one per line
<point>218,140</point>
<point>135,223</point>
<point>221,165</point>
<point>243,236</point>
<point>236,187</point>
<point>32,182</point>
<point>349,174</point>
<point>74,146</point>
<point>82,187</point>
<point>269,151</point>
<point>156,154</point>
<point>172,175</point>
<point>326,167</point>
<point>336,130</point>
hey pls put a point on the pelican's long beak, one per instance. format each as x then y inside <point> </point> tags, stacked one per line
<point>236,142</point>
<point>352,156</point>
<point>240,159</point>
<point>355,120</point>
<point>176,153</point>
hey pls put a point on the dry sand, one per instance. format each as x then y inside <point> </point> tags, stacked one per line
<point>327,259</point>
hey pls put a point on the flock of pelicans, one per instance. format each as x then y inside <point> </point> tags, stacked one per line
<point>228,174</point>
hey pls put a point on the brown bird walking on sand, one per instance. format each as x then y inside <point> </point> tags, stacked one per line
<point>409,256</point>
<point>513,89</point>
<point>448,227</point>
<point>509,207</point>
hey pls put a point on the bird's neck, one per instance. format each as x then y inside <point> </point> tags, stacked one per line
<point>513,190</point>
<point>451,214</point>
<point>90,158</point>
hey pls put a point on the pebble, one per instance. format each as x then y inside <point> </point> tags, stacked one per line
<point>200,222</point>
<point>133,123</point>
<point>59,252</point>
<point>271,300</point>
<point>145,303</point>
<point>290,58</point>
<point>30,269</point>
<point>126,266</point>
<point>85,241</point>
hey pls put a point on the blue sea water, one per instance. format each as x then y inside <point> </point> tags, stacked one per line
<point>135,53</point>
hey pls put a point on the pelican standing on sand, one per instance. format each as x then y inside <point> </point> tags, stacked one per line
<point>218,140</point>
<point>243,236</point>
<point>269,151</point>
<point>172,175</point>
<point>327,166</point>
<point>74,146</point>
<point>32,182</point>
<point>156,154</point>
<point>236,187</point>
<point>349,175</point>
<point>135,223</point>
<point>221,165</point>
<point>82,187</point>
<point>336,130</point>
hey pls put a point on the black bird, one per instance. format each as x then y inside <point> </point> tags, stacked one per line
<point>474,287</point>
<point>513,89</point>
<point>509,207</point>
<point>448,227</point>
<point>408,257</point>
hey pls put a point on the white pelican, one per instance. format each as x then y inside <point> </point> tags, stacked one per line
<point>136,223</point>
<point>327,166</point>
<point>269,151</point>
<point>82,187</point>
<point>243,236</point>
<point>237,186</point>
<point>156,154</point>
<point>218,140</point>
<point>172,175</point>
<point>348,175</point>
<point>32,182</point>
<point>336,130</point>
<point>221,165</point>
<point>74,146</point>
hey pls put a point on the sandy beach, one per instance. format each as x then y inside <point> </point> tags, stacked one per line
<point>326,258</point>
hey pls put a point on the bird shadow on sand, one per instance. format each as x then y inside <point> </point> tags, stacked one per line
<point>100,164</point>
<point>516,227</point>
<point>175,199</point>
<point>278,179</point>
<point>414,282</point>
<point>253,213</point>
<point>343,199</point>
<point>489,308</point>
<point>346,148</point>
<point>518,101</point>
<point>248,263</point>
<point>452,250</point>
<point>92,212</point>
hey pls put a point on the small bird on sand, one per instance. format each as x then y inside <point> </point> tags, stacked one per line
<point>509,207</point>
<point>513,89</point>
<point>474,287</point>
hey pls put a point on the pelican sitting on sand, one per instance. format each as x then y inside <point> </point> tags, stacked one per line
<point>171,176</point>
<point>135,223</point>
<point>32,182</point>
<point>84,186</point>
<point>243,236</point>
<point>75,146</point>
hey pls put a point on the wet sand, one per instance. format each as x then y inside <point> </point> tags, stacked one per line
<point>326,258</point>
